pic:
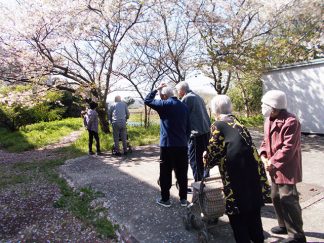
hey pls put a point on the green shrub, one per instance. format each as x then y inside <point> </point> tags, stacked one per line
<point>251,103</point>
<point>22,88</point>
<point>55,105</point>
<point>253,121</point>
<point>43,112</point>
<point>15,116</point>
<point>4,90</point>
<point>72,103</point>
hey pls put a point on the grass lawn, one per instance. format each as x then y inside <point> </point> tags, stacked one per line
<point>37,135</point>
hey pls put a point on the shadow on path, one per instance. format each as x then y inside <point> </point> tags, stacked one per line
<point>129,184</point>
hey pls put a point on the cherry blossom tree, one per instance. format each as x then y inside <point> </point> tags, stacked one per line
<point>144,65</point>
<point>177,38</point>
<point>229,30</point>
<point>90,46</point>
<point>78,42</point>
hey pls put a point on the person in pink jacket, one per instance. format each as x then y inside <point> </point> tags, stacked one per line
<point>281,153</point>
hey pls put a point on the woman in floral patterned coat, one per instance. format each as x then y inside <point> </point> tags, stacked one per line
<point>242,171</point>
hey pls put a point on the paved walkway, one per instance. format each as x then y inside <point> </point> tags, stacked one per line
<point>130,186</point>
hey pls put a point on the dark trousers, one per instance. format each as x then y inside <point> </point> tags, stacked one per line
<point>197,146</point>
<point>173,158</point>
<point>247,226</point>
<point>286,204</point>
<point>93,134</point>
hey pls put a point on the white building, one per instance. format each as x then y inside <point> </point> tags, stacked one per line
<point>304,85</point>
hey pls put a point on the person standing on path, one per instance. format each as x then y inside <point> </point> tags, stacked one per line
<point>118,114</point>
<point>281,153</point>
<point>246,187</point>
<point>200,128</point>
<point>174,134</point>
<point>91,123</point>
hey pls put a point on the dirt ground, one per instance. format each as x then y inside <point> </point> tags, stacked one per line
<point>27,213</point>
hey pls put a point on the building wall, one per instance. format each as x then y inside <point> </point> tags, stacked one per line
<point>304,86</point>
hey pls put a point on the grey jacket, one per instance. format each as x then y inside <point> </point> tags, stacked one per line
<point>118,112</point>
<point>199,119</point>
<point>91,120</point>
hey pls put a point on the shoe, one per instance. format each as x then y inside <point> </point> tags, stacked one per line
<point>117,154</point>
<point>99,154</point>
<point>279,230</point>
<point>125,153</point>
<point>293,240</point>
<point>166,204</point>
<point>91,153</point>
<point>183,202</point>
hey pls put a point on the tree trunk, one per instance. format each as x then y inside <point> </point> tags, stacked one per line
<point>145,117</point>
<point>244,96</point>
<point>103,118</point>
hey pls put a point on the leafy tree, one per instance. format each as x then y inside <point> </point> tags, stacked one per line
<point>246,94</point>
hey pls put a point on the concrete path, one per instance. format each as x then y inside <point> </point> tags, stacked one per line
<point>131,189</point>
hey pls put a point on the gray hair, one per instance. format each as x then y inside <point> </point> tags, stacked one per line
<point>167,91</point>
<point>221,104</point>
<point>183,85</point>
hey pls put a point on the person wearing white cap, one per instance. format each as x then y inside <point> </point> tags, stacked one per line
<point>281,153</point>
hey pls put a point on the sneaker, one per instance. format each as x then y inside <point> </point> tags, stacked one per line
<point>166,204</point>
<point>99,154</point>
<point>184,202</point>
<point>91,153</point>
<point>117,154</point>
<point>279,230</point>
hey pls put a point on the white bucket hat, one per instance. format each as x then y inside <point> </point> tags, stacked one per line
<point>276,99</point>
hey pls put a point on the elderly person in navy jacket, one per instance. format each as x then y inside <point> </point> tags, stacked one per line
<point>281,152</point>
<point>174,135</point>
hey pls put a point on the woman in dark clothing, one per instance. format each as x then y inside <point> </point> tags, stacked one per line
<point>242,171</point>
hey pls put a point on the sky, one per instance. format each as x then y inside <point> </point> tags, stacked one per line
<point>9,3</point>
<point>199,83</point>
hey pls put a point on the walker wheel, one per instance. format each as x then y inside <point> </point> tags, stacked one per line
<point>186,222</point>
<point>196,224</point>
<point>203,236</point>
<point>213,221</point>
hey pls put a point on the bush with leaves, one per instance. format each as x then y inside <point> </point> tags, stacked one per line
<point>72,103</point>
<point>15,116</point>
<point>246,96</point>
<point>54,105</point>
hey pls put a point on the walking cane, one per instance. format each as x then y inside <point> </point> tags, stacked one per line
<point>193,135</point>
